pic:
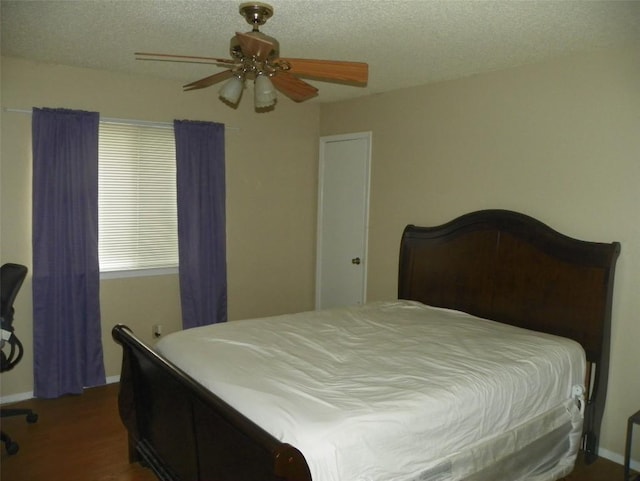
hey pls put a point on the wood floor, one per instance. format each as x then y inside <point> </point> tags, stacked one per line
<point>80,438</point>
<point>76,438</point>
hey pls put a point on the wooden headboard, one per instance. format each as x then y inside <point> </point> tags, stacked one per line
<point>511,268</point>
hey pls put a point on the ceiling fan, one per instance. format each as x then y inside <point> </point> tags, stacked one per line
<point>256,56</point>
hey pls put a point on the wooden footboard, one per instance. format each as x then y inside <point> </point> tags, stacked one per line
<point>184,432</point>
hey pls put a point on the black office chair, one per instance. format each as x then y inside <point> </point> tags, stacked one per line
<point>11,279</point>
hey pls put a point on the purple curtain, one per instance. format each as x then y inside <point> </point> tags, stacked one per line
<point>66,277</point>
<point>200,171</point>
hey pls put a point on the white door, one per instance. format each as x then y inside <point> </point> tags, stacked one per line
<point>343,214</point>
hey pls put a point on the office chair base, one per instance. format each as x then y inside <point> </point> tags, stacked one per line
<point>11,446</point>
<point>30,415</point>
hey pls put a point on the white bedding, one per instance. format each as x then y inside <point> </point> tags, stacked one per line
<point>388,390</point>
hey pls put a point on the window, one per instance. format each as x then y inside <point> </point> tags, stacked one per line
<point>138,227</point>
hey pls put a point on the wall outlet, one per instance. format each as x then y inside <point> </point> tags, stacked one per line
<point>157,330</point>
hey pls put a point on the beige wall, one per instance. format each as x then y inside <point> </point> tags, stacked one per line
<point>271,167</point>
<point>559,141</point>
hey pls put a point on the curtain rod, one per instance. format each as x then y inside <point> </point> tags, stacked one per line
<point>111,120</point>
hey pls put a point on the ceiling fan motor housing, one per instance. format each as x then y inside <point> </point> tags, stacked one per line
<point>256,14</point>
<point>236,50</point>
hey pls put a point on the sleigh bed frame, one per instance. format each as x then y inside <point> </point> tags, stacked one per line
<point>495,264</point>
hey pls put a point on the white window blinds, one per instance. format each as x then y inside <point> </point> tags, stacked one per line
<point>138,226</point>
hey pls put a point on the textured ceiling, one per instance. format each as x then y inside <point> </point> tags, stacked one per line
<point>405,42</point>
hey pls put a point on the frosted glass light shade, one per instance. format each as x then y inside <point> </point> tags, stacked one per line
<point>232,90</point>
<point>264,91</point>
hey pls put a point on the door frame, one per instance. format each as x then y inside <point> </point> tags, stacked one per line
<point>324,140</point>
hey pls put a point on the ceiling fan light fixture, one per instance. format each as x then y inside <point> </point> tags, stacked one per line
<point>232,90</point>
<point>264,92</point>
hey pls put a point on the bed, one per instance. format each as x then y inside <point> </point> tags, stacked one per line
<point>492,273</point>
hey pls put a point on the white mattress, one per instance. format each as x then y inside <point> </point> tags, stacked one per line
<point>388,390</point>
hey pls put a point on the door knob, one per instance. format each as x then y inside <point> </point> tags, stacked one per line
<point>355,260</point>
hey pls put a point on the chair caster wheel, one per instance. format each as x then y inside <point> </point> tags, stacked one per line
<point>32,418</point>
<point>11,447</point>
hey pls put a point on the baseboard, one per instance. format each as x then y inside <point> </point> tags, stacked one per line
<point>618,458</point>
<point>24,396</point>
<point>14,398</point>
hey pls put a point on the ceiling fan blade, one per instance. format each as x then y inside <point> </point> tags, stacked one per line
<point>254,46</point>
<point>208,81</point>
<point>351,72</point>
<point>294,88</point>
<point>163,57</point>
